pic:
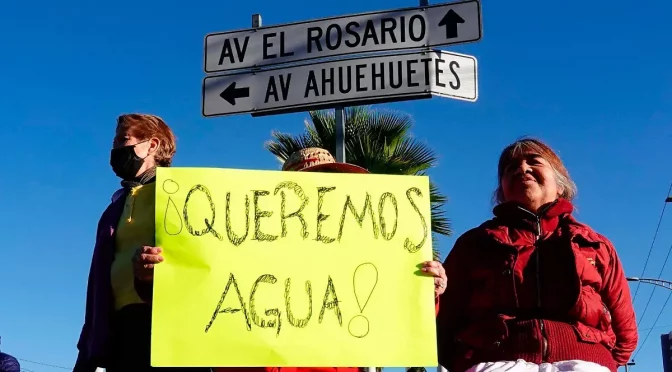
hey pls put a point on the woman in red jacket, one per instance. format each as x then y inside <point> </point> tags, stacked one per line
<point>533,289</point>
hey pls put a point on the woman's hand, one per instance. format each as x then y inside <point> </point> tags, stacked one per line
<point>435,269</point>
<point>144,260</point>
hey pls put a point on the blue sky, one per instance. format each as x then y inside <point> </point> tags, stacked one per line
<point>591,78</point>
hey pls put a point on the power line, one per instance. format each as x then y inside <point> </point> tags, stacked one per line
<point>648,256</point>
<point>668,199</point>
<point>654,325</point>
<point>43,364</point>
<point>660,274</point>
<point>657,327</point>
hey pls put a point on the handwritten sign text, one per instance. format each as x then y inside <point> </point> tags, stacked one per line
<point>268,268</point>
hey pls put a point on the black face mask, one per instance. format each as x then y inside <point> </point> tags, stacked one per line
<point>125,162</point>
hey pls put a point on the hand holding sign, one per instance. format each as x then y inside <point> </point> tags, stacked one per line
<point>144,260</point>
<point>436,270</point>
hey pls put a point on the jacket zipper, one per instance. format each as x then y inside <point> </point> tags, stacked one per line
<point>544,340</point>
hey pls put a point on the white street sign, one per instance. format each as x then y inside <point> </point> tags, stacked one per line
<point>401,29</point>
<point>344,82</point>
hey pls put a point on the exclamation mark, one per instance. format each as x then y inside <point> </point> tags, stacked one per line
<point>364,282</point>
<point>171,187</point>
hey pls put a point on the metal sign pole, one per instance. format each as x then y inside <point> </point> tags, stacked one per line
<point>340,134</point>
<point>256,20</point>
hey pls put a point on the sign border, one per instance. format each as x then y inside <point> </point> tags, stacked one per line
<point>480,35</point>
<point>317,106</point>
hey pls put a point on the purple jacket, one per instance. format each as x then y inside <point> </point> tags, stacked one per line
<point>8,363</point>
<point>94,341</point>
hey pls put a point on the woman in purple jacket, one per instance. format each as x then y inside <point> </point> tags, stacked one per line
<point>117,327</point>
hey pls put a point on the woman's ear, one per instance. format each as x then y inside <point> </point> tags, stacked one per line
<point>154,144</point>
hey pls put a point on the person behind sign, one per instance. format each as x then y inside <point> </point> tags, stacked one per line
<point>117,325</point>
<point>533,289</point>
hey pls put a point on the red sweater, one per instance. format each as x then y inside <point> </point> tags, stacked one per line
<point>542,288</point>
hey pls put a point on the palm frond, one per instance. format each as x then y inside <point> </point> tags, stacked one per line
<point>283,145</point>
<point>416,156</point>
<point>321,128</point>
<point>440,221</point>
<point>436,253</point>
<point>389,124</point>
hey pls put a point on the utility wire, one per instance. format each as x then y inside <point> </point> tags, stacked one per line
<point>668,199</point>
<point>654,326</point>
<point>43,364</point>
<point>660,274</point>
<point>648,256</point>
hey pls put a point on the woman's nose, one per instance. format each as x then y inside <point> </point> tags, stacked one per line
<point>522,169</point>
<point>525,167</point>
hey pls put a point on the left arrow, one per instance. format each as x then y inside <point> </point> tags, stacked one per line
<point>231,93</point>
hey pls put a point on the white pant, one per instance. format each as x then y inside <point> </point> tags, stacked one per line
<point>523,366</point>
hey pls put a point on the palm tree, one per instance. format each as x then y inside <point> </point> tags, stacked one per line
<point>377,140</point>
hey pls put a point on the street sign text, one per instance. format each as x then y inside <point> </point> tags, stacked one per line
<point>412,28</point>
<point>352,81</point>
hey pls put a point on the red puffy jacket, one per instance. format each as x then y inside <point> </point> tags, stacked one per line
<point>542,288</point>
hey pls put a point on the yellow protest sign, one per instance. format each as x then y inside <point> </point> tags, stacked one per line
<point>269,268</point>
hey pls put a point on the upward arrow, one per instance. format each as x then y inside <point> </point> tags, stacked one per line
<point>231,93</point>
<point>450,20</point>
